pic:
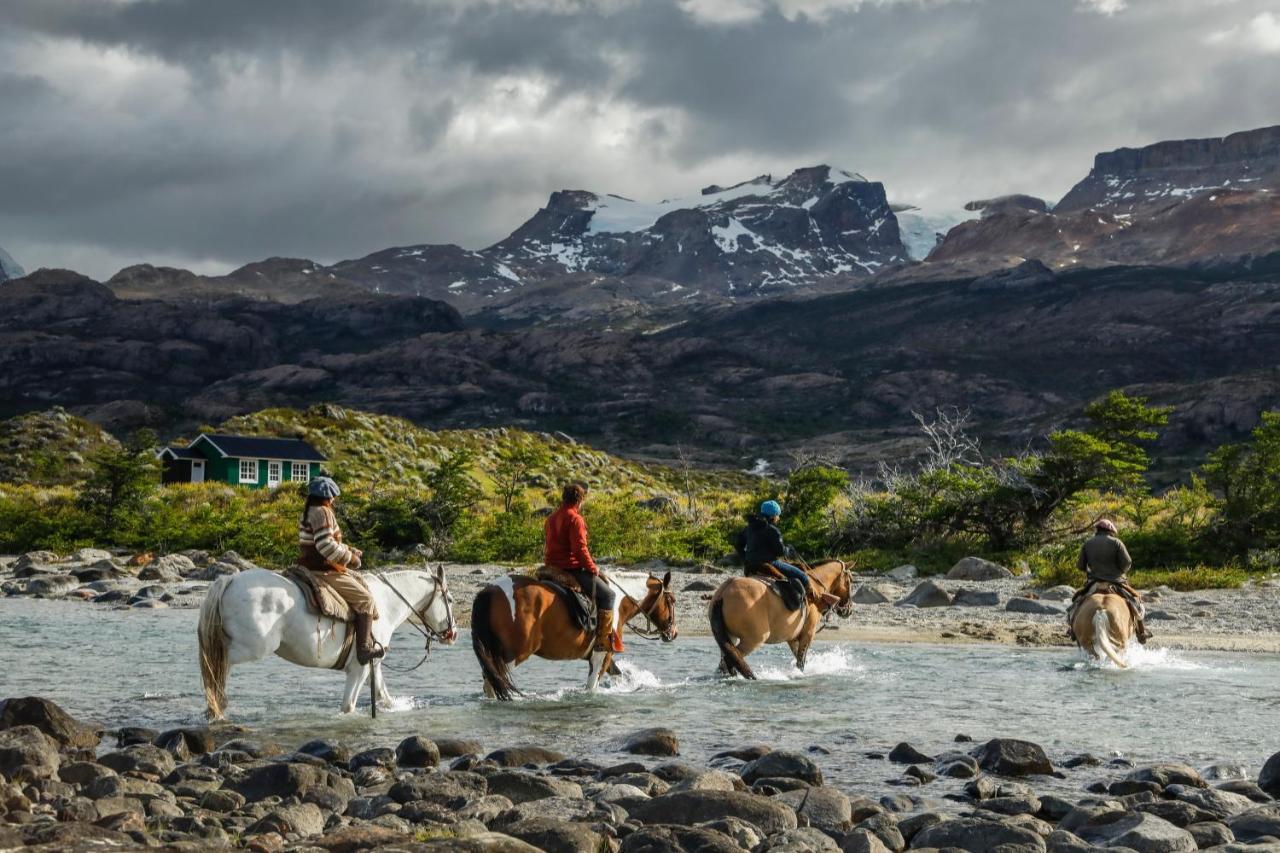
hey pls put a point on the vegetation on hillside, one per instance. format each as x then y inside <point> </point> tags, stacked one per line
<point>481,495</point>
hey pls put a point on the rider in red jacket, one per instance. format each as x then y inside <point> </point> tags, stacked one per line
<point>566,549</point>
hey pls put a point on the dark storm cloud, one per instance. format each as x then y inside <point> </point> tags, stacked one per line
<point>219,133</point>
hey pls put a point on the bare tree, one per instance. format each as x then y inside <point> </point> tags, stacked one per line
<point>949,440</point>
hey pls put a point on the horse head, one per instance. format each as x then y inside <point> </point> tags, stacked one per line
<point>659,605</point>
<point>436,609</point>
<point>842,588</point>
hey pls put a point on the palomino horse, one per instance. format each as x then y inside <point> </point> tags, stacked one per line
<point>248,616</point>
<point>515,618</point>
<point>1103,626</point>
<point>746,610</point>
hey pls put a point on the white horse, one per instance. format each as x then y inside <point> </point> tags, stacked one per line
<point>247,616</point>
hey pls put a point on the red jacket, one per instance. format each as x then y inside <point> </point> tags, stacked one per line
<point>566,541</point>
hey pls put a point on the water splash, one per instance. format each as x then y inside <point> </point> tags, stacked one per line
<point>836,660</point>
<point>1140,657</point>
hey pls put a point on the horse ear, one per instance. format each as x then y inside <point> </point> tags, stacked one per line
<point>666,580</point>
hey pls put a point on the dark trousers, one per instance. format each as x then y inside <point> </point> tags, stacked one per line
<point>792,572</point>
<point>597,588</point>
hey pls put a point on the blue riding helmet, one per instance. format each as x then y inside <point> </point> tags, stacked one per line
<point>323,487</point>
<point>770,508</point>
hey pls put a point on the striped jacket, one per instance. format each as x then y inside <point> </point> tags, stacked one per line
<point>320,542</point>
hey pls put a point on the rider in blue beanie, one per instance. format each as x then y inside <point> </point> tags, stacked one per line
<point>760,547</point>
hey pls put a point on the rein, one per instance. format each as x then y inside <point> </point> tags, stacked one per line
<point>429,634</point>
<point>651,631</point>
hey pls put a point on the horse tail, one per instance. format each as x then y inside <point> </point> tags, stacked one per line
<point>733,659</point>
<point>488,646</point>
<point>214,661</point>
<point>1102,645</point>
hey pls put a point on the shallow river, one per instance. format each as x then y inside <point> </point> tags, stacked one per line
<point>139,667</point>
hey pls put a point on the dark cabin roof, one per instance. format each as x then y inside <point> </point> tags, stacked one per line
<point>257,447</point>
<point>181,453</point>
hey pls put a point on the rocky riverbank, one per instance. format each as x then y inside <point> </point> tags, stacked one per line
<point>976,601</point>
<point>68,785</point>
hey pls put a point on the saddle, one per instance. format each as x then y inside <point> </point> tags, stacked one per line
<point>582,608</point>
<point>323,601</point>
<point>791,592</point>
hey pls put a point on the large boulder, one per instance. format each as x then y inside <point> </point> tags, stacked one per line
<point>975,598</point>
<point>688,808</point>
<point>280,779</point>
<point>1017,604</point>
<point>521,787</point>
<point>826,808</point>
<point>141,758</point>
<point>902,573</point>
<point>1012,757</point>
<point>520,756</point>
<point>784,764</point>
<point>978,569</point>
<point>1256,823</point>
<point>679,839</point>
<point>654,741</point>
<point>454,789</point>
<point>303,819</point>
<point>1269,778</point>
<point>1138,831</point>
<point>557,836</point>
<point>27,746</point>
<point>1167,773</point>
<point>977,835</point>
<point>50,719</point>
<point>926,594</point>
<point>862,841</point>
<point>1221,804</point>
<point>415,751</point>
<point>51,586</point>
<point>876,593</point>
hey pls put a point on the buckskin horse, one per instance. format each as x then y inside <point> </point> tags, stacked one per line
<point>1103,625</point>
<point>745,614</point>
<point>247,616</point>
<point>517,617</point>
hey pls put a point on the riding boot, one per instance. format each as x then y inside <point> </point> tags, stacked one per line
<point>606,638</point>
<point>1140,631</point>
<point>366,649</point>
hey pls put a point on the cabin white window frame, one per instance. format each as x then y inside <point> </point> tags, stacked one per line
<point>249,467</point>
<point>295,467</point>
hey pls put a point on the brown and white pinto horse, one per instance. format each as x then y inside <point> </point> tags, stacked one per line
<point>746,614</point>
<point>516,617</point>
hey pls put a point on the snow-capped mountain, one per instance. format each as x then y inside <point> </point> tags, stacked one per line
<point>9,268</point>
<point>760,236</point>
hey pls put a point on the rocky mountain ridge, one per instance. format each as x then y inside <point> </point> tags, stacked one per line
<point>1023,350</point>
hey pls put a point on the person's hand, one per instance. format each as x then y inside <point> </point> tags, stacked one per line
<point>355,562</point>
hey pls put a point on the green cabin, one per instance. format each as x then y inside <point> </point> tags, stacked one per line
<point>255,462</point>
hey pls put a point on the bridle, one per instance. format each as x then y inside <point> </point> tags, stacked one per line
<point>844,610</point>
<point>440,589</point>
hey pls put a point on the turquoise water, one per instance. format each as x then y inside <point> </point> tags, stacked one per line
<point>139,667</point>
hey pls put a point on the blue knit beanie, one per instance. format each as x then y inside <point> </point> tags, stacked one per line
<point>770,508</point>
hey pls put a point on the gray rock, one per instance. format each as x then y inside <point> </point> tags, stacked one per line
<point>910,827</point>
<point>415,751</point>
<point>688,808</point>
<point>303,819</point>
<point>556,836</point>
<point>277,779</point>
<point>1221,804</point>
<point>142,758</point>
<point>978,569</point>
<point>522,787</point>
<point>1257,823</point>
<point>1138,831</point>
<point>825,808</point>
<point>905,753</point>
<point>48,717</point>
<point>975,598</point>
<point>977,835</point>
<point>652,741</point>
<point>683,839</point>
<point>957,765</point>
<point>876,593</point>
<point>1269,777</point>
<point>861,841</point>
<point>1210,833</point>
<point>926,594</point>
<point>903,573</point>
<point>453,789</point>
<point>785,764</point>
<point>519,756</point>
<point>1062,592</point>
<point>1061,841</point>
<point>1030,605</point>
<point>50,586</point>
<point>884,827</point>
<point>802,839</point>
<point>1167,773</point>
<point>452,747</point>
<point>27,746</point>
<point>377,757</point>
<point>1012,757</point>
<point>711,780</point>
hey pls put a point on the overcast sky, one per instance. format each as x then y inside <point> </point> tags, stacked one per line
<point>209,134</point>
